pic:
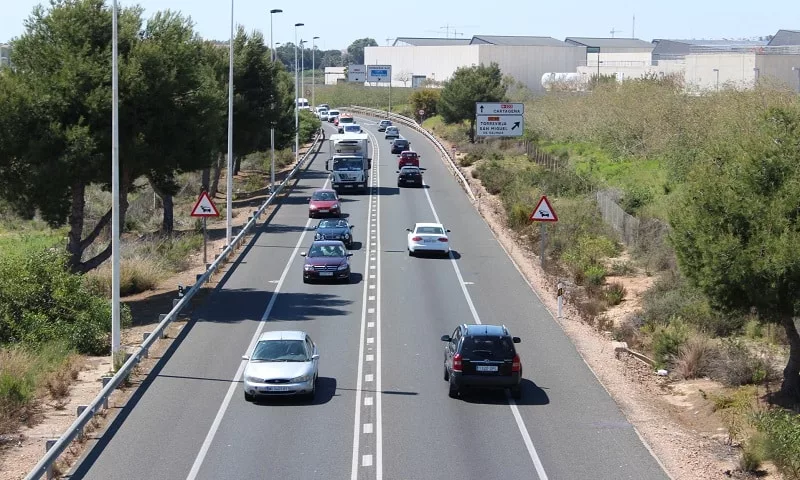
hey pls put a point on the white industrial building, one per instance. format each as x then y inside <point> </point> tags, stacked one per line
<point>334,75</point>
<point>415,60</point>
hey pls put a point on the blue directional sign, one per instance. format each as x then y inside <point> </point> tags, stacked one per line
<point>379,73</point>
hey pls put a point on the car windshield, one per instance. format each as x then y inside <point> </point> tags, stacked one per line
<point>280,351</point>
<point>385,122</point>
<point>401,143</point>
<point>333,223</point>
<point>430,230</point>
<point>409,155</point>
<point>409,170</point>
<point>352,128</point>
<point>351,164</point>
<point>488,347</point>
<point>326,251</point>
<point>346,120</point>
<point>324,196</point>
<point>391,129</point>
<point>333,112</point>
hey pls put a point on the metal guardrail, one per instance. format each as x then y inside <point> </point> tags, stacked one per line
<point>44,467</point>
<point>416,126</point>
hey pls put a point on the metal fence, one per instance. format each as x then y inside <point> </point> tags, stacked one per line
<point>622,222</point>
<point>543,158</point>
<point>44,466</point>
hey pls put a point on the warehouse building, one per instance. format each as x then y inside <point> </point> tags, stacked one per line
<point>416,61</point>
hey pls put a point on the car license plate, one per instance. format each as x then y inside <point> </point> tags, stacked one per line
<point>486,368</point>
<point>325,274</point>
<point>410,180</point>
<point>323,210</point>
<point>347,185</point>
<point>429,240</point>
<point>276,389</point>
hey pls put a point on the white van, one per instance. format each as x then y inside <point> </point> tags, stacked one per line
<point>302,104</point>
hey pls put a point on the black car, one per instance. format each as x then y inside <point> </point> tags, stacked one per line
<point>482,356</point>
<point>409,176</point>
<point>400,145</point>
<point>384,123</point>
<point>327,260</point>
<point>335,229</point>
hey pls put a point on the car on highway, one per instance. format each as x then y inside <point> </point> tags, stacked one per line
<point>281,363</point>
<point>383,124</point>
<point>482,356</point>
<point>324,106</point>
<point>391,132</point>
<point>408,176</point>
<point>428,237</point>
<point>326,260</point>
<point>400,145</point>
<point>323,115</point>
<point>324,202</point>
<point>335,229</point>
<point>408,158</point>
<point>351,128</point>
<point>345,119</point>
<point>333,116</point>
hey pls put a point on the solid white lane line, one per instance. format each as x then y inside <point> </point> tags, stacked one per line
<point>201,455</point>
<point>360,373</point>
<point>523,430</point>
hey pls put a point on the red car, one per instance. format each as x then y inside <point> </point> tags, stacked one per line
<point>324,202</point>
<point>408,158</point>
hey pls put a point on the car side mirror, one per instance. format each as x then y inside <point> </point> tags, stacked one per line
<point>448,230</point>
<point>446,338</point>
<point>398,171</point>
<point>315,356</point>
<point>245,357</point>
<point>408,229</point>
<point>314,227</point>
<point>352,227</point>
<point>328,164</point>
<point>516,340</point>
<point>302,254</point>
<point>349,254</point>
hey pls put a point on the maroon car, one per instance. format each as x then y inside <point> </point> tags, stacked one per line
<point>408,158</point>
<point>327,260</point>
<point>323,203</point>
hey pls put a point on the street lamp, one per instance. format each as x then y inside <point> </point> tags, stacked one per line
<point>313,71</point>
<point>302,66</point>
<point>296,97</point>
<point>272,126</point>
<point>229,192</point>
<point>716,70</point>
<point>115,246</point>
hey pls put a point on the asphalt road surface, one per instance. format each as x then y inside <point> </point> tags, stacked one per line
<point>382,409</point>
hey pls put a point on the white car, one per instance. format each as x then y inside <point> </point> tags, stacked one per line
<point>281,363</point>
<point>428,237</point>
<point>352,128</point>
<point>323,115</point>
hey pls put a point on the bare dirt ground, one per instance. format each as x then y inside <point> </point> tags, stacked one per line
<point>20,453</point>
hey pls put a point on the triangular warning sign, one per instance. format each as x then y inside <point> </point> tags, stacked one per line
<point>205,207</point>
<point>544,212</point>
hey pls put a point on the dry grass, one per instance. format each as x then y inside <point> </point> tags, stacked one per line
<point>137,274</point>
<point>695,357</point>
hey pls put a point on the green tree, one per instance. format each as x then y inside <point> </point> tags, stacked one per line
<point>425,99</point>
<point>467,86</point>
<point>355,51</point>
<point>331,58</point>
<point>736,229</point>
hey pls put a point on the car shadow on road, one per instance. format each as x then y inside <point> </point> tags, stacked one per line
<point>326,390</point>
<point>386,190</point>
<point>356,246</point>
<point>438,256</point>
<point>532,394</point>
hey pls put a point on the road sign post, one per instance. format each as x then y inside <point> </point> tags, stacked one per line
<point>205,208</point>
<point>494,119</point>
<point>543,213</point>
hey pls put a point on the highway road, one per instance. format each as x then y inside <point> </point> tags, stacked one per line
<point>382,409</point>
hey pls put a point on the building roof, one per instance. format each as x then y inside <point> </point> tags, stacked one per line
<point>516,41</point>
<point>665,49</point>
<point>785,37</point>
<point>430,42</point>
<point>609,42</point>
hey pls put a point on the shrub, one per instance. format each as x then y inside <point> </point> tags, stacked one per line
<point>781,430</point>
<point>308,124</point>
<point>495,177</point>
<point>753,453</point>
<point>622,268</point>
<point>695,356</point>
<point>735,411</point>
<point>634,198</point>
<point>41,301</point>
<point>137,274</point>
<point>594,274</point>
<point>518,217</point>
<point>614,293</point>
<point>753,329</point>
<point>668,340</point>
<point>737,365</point>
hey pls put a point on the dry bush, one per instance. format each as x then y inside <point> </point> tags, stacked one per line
<point>614,293</point>
<point>589,308</point>
<point>137,274</point>
<point>736,364</point>
<point>695,357</point>
<point>628,330</point>
<point>604,323</point>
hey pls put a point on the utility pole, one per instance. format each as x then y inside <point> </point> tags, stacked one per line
<point>116,358</point>
<point>272,127</point>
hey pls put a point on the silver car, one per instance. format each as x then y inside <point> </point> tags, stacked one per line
<point>281,363</point>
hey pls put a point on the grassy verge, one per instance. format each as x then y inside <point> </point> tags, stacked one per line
<point>345,94</point>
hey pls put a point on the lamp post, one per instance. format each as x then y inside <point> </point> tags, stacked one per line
<point>313,71</point>
<point>716,70</point>
<point>229,188</point>
<point>302,67</point>
<point>296,97</point>
<point>272,127</point>
<point>115,246</point>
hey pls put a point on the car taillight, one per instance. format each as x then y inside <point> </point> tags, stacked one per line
<point>442,239</point>
<point>457,362</point>
<point>515,365</point>
<point>416,239</point>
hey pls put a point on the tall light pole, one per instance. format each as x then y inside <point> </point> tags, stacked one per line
<point>313,71</point>
<point>272,127</point>
<point>302,66</point>
<point>115,246</point>
<point>296,97</point>
<point>229,192</point>
<point>716,70</point>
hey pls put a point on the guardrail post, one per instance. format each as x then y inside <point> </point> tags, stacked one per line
<point>145,351</point>
<point>80,410</point>
<point>105,379</point>
<point>48,444</point>
<point>161,317</point>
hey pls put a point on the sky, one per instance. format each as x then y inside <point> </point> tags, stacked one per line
<point>338,23</point>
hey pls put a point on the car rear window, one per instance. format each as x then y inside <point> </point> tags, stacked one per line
<point>488,347</point>
<point>409,170</point>
<point>401,142</point>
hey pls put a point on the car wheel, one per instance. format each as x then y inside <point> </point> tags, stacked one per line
<point>346,280</point>
<point>248,397</point>
<point>516,392</point>
<point>313,393</point>
<point>305,280</point>
<point>454,390</point>
<point>446,375</point>
<point>410,253</point>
